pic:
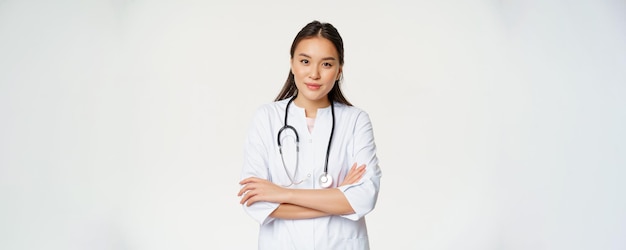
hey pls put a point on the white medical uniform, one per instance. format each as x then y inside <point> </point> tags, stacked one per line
<point>353,141</point>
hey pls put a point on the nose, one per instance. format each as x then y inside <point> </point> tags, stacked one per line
<point>314,74</point>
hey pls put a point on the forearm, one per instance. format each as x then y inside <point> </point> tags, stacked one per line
<point>293,212</point>
<point>330,201</point>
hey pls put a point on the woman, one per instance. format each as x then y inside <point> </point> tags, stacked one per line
<point>310,172</point>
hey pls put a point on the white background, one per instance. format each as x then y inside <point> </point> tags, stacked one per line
<point>500,124</point>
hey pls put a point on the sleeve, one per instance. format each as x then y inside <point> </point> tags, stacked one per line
<point>255,163</point>
<point>363,195</point>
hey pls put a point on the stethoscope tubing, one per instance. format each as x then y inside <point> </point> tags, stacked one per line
<point>286,126</point>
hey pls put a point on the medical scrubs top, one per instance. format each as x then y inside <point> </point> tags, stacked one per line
<point>353,141</point>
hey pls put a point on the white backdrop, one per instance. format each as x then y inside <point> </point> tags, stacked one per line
<point>500,124</point>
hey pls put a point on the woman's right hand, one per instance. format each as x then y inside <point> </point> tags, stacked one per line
<point>354,175</point>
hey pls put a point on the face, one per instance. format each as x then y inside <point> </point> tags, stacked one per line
<point>315,66</point>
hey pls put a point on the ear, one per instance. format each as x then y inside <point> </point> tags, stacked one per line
<point>339,74</point>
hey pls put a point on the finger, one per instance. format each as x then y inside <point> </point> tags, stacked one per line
<point>349,177</point>
<point>252,180</point>
<point>243,199</point>
<point>352,180</point>
<point>245,188</point>
<point>247,197</point>
<point>241,191</point>
<point>252,197</point>
<point>248,180</point>
<point>244,181</point>
<point>358,171</point>
<point>252,200</point>
<point>352,169</point>
<point>352,177</point>
<point>355,176</point>
<point>361,172</point>
<point>359,176</point>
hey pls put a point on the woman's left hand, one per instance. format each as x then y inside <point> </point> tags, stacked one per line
<point>257,189</point>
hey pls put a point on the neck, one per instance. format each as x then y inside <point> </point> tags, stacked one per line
<point>311,106</point>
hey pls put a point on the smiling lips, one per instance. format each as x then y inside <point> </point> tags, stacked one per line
<point>313,86</point>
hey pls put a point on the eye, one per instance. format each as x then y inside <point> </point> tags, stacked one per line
<point>327,65</point>
<point>304,61</point>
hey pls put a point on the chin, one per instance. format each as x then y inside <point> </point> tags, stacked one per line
<point>314,96</point>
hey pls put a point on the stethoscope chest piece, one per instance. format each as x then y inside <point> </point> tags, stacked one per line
<point>326,180</point>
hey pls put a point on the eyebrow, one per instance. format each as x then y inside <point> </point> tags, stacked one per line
<point>323,59</point>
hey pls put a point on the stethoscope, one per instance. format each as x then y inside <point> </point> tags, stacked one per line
<point>325,179</point>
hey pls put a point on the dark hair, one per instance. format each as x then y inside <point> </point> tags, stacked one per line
<point>312,29</point>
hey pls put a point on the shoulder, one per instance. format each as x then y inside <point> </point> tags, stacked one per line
<point>269,108</point>
<point>351,111</point>
<point>266,115</point>
<point>353,116</point>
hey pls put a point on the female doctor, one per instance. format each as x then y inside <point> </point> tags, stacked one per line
<point>310,171</point>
